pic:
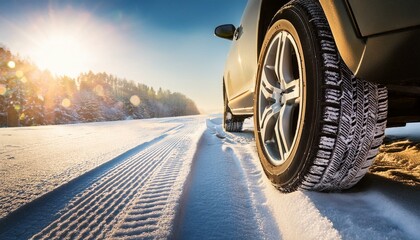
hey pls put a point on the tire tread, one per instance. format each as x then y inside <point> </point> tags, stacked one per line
<point>353,117</point>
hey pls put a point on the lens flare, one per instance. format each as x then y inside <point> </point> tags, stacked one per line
<point>19,74</point>
<point>135,100</point>
<point>66,103</point>
<point>3,89</point>
<point>11,64</point>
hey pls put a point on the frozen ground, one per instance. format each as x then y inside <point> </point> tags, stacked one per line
<point>186,178</point>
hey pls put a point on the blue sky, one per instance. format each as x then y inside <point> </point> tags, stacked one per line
<point>161,43</point>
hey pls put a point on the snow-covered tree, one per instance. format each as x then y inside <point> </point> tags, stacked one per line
<point>29,97</point>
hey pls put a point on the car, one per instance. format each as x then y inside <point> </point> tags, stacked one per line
<point>322,80</point>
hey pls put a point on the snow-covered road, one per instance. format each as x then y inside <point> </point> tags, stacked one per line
<point>185,178</point>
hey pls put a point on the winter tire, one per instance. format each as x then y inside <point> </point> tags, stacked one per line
<point>231,122</point>
<point>316,126</point>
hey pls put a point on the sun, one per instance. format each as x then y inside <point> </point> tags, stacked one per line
<point>69,41</point>
<point>62,53</point>
<point>62,41</point>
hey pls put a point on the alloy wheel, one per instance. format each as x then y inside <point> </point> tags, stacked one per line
<point>280,100</point>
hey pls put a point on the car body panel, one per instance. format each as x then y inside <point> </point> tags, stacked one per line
<point>350,46</point>
<point>379,16</point>
<point>376,40</point>
<point>392,58</point>
<point>241,66</point>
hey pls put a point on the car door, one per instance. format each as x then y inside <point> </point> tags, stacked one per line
<point>241,66</point>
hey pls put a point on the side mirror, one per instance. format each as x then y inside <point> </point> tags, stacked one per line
<point>226,31</point>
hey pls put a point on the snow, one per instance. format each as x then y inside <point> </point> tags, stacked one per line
<point>134,195</point>
<point>136,199</point>
<point>223,201</point>
<point>186,178</point>
<point>294,215</point>
<point>399,156</point>
<point>377,208</point>
<point>36,160</point>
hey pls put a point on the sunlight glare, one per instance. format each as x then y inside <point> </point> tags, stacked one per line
<point>69,41</point>
<point>66,41</point>
<point>62,53</point>
<point>11,64</point>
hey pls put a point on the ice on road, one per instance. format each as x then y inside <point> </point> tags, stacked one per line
<point>186,178</point>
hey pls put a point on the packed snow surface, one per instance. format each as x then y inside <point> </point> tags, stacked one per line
<point>186,178</point>
<point>36,160</point>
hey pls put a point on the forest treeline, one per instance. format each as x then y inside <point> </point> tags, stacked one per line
<point>29,96</point>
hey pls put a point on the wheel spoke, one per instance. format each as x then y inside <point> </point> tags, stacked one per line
<point>268,89</point>
<point>267,123</point>
<point>292,93</point>
<point>284,127</point>
<point>279,140</point>
<point>270,80</point>
<point>284,62</point>
<point>272,54</point>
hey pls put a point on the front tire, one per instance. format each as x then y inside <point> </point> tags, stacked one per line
<point>316,126</point>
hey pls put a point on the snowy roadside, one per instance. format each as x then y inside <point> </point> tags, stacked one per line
<point>37,160</point>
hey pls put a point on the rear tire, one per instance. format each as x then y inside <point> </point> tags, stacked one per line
<point>231,123</point>
<point>316,126</point>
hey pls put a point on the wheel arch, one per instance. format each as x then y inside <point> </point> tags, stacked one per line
<point>268,10</point>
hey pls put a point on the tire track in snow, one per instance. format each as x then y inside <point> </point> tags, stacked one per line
<point>293,214</point>
<point>145,216</point>
<point>219,202</point>
<point>94,212</point>
<point>59,154</point>
<point>32,217</point>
